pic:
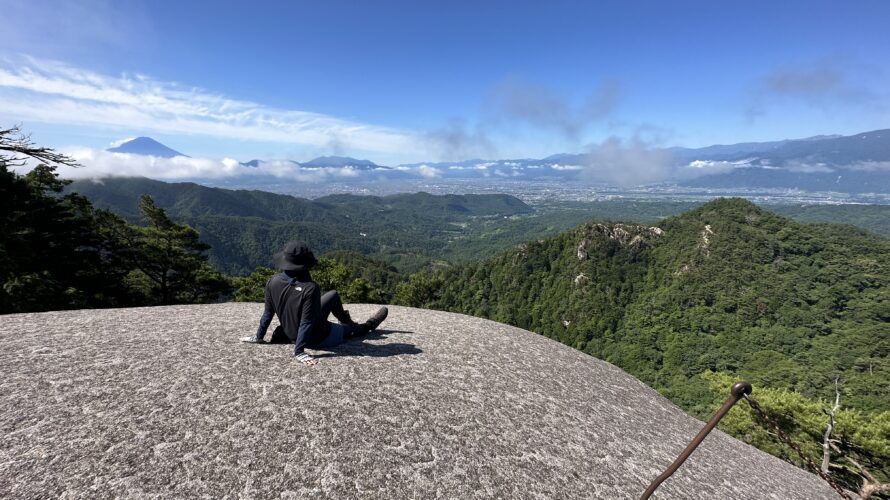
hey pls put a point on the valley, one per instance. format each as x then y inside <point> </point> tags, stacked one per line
<point>411,231</point>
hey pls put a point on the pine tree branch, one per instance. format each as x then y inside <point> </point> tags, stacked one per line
<point>21,147</point>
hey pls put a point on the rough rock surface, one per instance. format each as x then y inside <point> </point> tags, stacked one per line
<point>165,402</point>
<point>605,236</point>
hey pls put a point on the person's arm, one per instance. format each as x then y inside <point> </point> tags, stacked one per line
<point>268,314</point>
<point>308,317</point>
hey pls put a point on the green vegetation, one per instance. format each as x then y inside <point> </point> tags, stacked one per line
<point>167,260</point>
<point>723,291</point>
<point>875,218</point>
<point>860,440</point>
<point>59,252</point>
<point>54,253</point>
<point>357,278</point>
<point>411,232</point>
<point>727,288</point>
<point>244,228</point>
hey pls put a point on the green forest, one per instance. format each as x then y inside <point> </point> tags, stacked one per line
<point>689,303</point>
<point>725,287</point>
<point>244,228</point>
<point>412,232</point>
<point>723,292</point>
<point>59,252</point>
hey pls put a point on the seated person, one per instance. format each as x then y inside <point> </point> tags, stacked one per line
<point>303,311</point>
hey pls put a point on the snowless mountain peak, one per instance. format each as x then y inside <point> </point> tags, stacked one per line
<point>144,146</point>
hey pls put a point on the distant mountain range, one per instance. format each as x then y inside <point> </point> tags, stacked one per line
<point>856,164</point>
<point>327,162</point>
<point>340,162</point>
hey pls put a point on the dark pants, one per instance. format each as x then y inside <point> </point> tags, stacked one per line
<point>330,304</point>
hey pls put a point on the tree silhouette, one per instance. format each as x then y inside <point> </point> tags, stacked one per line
<point>17,147</point>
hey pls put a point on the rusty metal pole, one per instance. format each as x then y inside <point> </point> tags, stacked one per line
<point>737,392</point>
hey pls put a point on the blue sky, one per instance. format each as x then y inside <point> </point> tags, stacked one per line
<point>423,81</point>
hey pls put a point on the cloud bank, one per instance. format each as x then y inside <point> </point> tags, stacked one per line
<point>628,162</point>
<point>97,164</point>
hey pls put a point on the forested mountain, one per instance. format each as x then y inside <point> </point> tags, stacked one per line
<point>188,199</point>
<point>875,218</point>
<point>726,287</point>
<point>244,228</point>
<point>410,231</point>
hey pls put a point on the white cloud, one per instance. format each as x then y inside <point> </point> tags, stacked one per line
<point>627,162</point>
<point>808,168</point>
<point>711,164</point>
<point>701,168</point>
<point>478,166</point>
<point>54,92</point>
<point>98,164</point>
<point>428,171</point>
<point>557,166</point>
<point>114,144</point>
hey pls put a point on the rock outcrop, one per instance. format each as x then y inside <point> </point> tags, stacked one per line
<point>166,402</point>
<point>609,237</point>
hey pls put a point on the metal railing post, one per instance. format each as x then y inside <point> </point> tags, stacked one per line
<point>737,392</point>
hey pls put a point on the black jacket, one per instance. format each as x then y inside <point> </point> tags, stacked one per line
<point>296,300</point>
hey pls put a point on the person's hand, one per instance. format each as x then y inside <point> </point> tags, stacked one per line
<point>306,359</point>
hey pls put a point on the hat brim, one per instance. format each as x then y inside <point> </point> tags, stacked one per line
<point>282,262</point>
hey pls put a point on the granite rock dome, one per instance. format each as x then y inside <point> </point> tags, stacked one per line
<point>166,402</point>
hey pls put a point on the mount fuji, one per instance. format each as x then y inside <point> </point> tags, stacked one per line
<point>145,146</point>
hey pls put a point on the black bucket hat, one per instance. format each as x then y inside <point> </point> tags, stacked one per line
<point>295,256</point>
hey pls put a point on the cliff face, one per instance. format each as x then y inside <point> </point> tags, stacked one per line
<point>166,401</point>
<point>608,237</point>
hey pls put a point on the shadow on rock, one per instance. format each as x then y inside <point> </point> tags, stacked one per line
<point>358,347</point>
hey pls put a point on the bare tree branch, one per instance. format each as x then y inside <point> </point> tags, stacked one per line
<point>870,485</point>
<point>826,440</point>
<point>873,489</point>
<point>20,147</point>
